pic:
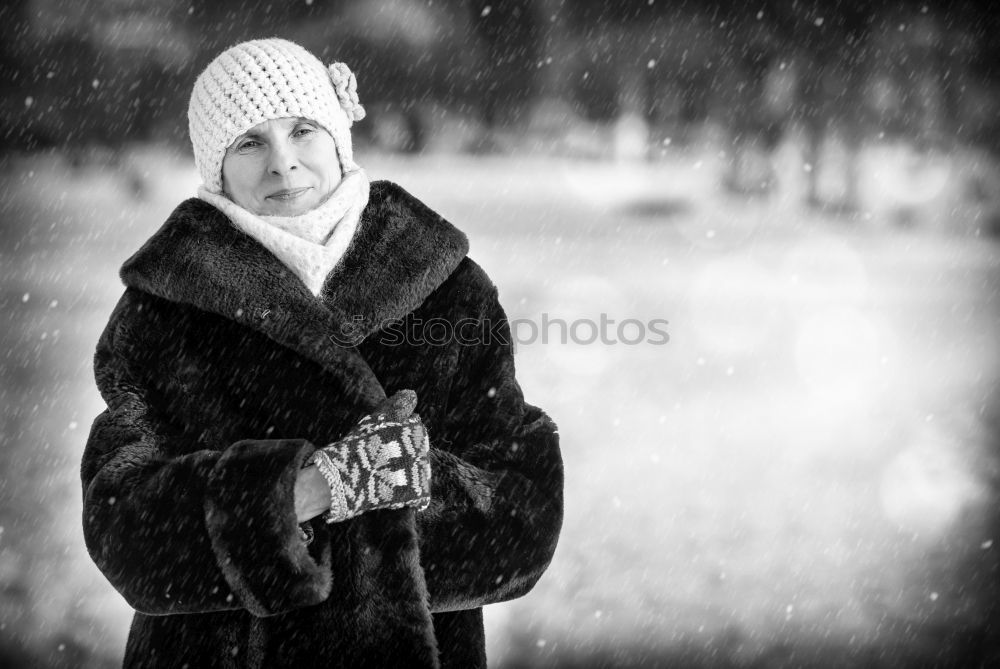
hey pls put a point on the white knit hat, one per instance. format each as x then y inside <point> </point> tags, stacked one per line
<point>262,80</point>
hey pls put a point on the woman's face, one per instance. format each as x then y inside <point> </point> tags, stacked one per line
<point>282,167</point>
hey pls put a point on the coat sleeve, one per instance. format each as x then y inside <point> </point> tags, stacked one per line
<point>496,478</point>
<point>180,526</point>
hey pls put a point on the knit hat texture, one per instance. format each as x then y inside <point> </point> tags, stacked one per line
<point>262,80</point>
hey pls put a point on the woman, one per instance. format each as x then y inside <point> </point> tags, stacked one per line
<point>259,488</point>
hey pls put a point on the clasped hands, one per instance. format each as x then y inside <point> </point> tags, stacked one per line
<point>382,463</point>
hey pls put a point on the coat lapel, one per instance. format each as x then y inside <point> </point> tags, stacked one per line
<point>400,253</point>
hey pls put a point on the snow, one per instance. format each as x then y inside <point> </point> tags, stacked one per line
<point>804,474</point>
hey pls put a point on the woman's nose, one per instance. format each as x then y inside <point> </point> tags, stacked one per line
<point>282,159</point>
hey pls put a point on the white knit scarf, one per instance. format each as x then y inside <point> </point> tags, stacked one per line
<point>312,243</point>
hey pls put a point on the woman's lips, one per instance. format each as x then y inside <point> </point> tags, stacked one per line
<point>287,194</point>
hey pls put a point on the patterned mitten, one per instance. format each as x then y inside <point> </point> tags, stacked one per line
<point>382,463</point>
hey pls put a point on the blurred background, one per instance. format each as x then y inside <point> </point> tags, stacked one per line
<point>805,475</point>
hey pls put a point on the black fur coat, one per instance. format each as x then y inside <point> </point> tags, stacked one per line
<point>222,374</point>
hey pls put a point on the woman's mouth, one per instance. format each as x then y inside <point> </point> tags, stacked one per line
<point>286,194</point>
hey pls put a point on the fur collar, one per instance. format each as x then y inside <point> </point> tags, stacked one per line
<point>400,252</point>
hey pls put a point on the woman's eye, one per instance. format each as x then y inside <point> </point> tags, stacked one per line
<point>247,145</point>
<point>304,130</point>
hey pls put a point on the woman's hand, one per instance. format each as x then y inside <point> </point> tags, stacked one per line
<point>312,494</point>
<point>382,463</point>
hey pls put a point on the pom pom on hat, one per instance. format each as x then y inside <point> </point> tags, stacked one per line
<point>262,80</point>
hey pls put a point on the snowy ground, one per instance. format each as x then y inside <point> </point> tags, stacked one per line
<point>806,474</point>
